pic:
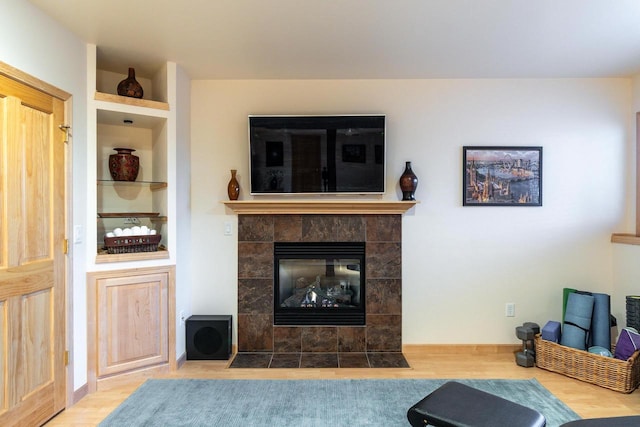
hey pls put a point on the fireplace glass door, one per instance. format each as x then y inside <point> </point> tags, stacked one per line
<point>319,284</point>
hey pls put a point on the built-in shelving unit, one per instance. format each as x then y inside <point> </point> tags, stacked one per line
<point>140,124</point>
<point>139,284</point>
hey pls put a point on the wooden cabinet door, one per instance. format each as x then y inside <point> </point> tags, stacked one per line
<point>132,322</point>
<point>32,232</point>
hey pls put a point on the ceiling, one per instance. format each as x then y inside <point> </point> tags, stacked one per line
<point>360,39</point>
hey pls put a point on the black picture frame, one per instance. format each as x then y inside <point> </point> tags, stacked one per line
<point>274,153</point>
<point>501,176</point>
<point>354,153</point>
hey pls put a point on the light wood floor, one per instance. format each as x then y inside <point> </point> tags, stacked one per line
<point>587,400</point>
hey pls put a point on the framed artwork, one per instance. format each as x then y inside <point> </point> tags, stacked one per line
<point>354,153</point>
<point>502,176</point>
<point>274,153</point>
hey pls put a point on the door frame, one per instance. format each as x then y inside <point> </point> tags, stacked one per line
<point>35,83</point>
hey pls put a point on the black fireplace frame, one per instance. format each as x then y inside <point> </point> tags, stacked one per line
<point>325,316</point>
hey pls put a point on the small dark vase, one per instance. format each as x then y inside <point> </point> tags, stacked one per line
<point>233,189</point>
<point>124,166</point>
<point>408,183</point>
<point>130,86</point>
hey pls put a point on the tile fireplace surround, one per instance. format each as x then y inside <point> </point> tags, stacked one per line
<point>382,235</point>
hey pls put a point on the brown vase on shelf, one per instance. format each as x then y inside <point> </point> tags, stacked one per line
<point>408,183</point>
<point>123,165</point>
<point>130,86</point>
<point>233,189</point>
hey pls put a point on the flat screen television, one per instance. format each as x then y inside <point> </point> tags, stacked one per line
<point>338,154</point>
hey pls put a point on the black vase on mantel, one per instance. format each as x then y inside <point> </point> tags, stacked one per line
<point>130,86</point>
<point>408,183</point>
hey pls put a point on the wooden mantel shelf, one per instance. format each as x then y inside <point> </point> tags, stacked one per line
<point>349,207</point>
<point>626,238</point>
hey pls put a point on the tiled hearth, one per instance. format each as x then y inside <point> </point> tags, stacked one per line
<point>320,360</point>
<point>316,346</point>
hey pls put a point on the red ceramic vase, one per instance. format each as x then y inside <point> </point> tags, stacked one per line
<point>124,166</point>
<point>233,189</point>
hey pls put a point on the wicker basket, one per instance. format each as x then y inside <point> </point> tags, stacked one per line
<point>608,372</point>
<point>132,244</point>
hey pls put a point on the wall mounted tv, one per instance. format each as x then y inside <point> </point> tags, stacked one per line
<point>317,154</point>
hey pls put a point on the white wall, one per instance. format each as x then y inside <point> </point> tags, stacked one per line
<point>32,42</point>
<point>183,206</point>
<point>626,265</point>
<point>460,264</point>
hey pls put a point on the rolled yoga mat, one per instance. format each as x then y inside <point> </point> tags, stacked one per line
<point>601,321</point>
<point>565,297</point>
<point>577,321</point>
<point>633,311</point>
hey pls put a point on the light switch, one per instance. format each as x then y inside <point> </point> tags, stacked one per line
<point>77,234</point>
<point>228,230</point>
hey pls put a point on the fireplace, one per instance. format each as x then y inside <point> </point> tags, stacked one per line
<point>381,235</point>
<point>319,283</point>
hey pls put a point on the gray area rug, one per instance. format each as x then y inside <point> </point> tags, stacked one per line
<point>306,403</point>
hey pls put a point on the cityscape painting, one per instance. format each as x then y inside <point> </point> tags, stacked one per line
<point>502,176</point>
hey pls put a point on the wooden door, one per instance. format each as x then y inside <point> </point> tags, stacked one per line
<point>32,264</point>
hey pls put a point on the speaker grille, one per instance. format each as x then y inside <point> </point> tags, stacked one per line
<point>207,340</point>
<point>208,337</point>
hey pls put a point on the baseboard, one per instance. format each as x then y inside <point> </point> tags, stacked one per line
<point>79,394</point>
<point>461,348</point>
<point>107,383</point>
<point>181,360</point>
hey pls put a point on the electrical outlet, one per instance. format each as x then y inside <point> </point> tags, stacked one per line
<point>510,309</point>
<point>131,220</point>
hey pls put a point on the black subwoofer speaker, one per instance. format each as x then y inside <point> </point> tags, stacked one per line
<point>208,337</point>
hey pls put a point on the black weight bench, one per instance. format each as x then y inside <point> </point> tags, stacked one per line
<point>457,405</point>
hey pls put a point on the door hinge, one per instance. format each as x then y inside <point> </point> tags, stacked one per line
<point>66,358</point>
<point>65,246</point>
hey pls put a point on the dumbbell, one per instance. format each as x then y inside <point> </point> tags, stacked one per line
<point>530,342</point>
<point>526,333</point>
